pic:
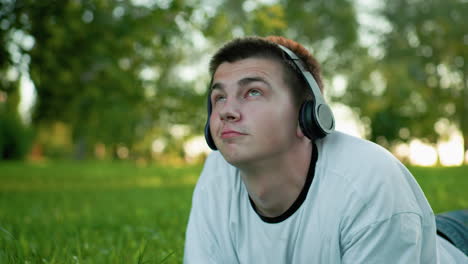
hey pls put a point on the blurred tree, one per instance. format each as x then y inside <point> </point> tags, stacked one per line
<point>100,66</point>
<point>319,25</point>
<point>421,77</point>
<point>111,70</point>
<point>15,138</point>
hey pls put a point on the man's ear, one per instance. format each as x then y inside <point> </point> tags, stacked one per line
<point>299,132</point>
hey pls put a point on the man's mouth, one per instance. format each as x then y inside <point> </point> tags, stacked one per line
<point>230,134</point>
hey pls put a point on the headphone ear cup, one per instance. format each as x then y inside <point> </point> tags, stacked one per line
<point>208,137</point>
<point>309,121</point>
<point>305,119</point>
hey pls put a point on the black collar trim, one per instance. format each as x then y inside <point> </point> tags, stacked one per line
<point>300,199</point>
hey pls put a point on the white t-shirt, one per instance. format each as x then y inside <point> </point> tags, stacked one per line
<point>363,206</point>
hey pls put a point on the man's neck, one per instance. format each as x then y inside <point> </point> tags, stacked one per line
<point>274,184</point>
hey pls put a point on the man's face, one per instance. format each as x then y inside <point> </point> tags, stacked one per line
<point>253,116</point>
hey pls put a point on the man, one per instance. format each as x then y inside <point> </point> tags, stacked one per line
<point>283,189</point>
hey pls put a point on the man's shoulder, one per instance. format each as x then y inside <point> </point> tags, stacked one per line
<point>340,140</point>
<point>346,151</point>
<point>360,165</point>
<point>371,173</point>
<point>370,180</point>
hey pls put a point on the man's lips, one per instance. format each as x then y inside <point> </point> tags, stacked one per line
<point>231,133</point>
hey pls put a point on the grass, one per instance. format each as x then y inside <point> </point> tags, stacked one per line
<point>93,213</point>
<point>68,212</point>
<point>445,187</point>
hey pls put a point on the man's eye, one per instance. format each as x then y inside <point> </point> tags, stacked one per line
<point>218,98</point>
<point>254,92</point>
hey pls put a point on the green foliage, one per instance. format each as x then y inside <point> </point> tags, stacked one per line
<point>95,52</point>
<point>15,137</point>
<point>110,70</point>
<point>416,75</point>
<point>319,25</point>
<point>104,67</point>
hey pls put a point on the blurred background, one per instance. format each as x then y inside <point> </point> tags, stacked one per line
<point>102,109</point>
<point>114,79</point>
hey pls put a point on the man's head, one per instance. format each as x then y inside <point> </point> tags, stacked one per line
<point>257,47</point>
<point>256,92</point>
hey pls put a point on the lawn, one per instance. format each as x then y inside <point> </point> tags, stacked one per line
<point>93,213</point>
<point>68,212</point>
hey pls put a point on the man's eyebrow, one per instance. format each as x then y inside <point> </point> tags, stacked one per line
<point>247,80</point>
<point>242,82</point>
<point>217,86</point>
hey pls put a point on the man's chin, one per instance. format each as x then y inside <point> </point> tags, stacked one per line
<point>236,159</point>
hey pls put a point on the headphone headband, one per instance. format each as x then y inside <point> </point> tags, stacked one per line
<point>308,77</point>
<point>316,118</point>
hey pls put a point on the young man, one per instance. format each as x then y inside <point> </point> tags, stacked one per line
<point>283,189</point>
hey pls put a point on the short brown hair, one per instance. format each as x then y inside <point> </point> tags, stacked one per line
<point>251,47</point>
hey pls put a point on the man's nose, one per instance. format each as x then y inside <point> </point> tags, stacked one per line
<point>230,111</point>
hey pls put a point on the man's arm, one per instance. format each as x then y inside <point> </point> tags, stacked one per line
<point>199,246</point>
<point>201,240</point>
